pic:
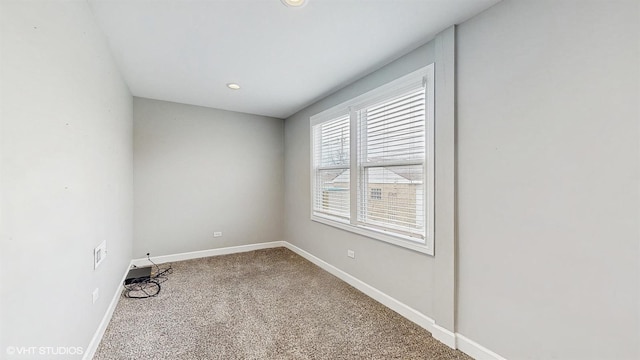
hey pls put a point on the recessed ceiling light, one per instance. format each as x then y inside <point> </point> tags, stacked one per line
<point>294,3</point>
<point>233,86</point>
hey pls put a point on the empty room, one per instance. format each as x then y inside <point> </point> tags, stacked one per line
<point>320,179</point>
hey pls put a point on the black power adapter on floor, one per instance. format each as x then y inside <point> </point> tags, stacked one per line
<point>141,284</point>
<point>138,275</point>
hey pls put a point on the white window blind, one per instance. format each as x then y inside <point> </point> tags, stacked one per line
<point>372,163</point>
<point>331,160</point>
<point>391,158</point>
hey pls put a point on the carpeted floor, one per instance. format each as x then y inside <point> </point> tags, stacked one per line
<point>266,304</point>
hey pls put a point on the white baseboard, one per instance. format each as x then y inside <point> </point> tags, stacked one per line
<point>475,350</point>
<point>447,337</point>
<point>443,335</point>
<point>97,336</point>
<point>453,340</point>
<point>206,253</point>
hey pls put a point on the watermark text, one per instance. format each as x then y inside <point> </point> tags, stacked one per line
<point>44,350</point>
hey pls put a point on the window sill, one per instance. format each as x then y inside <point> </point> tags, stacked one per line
<point>397,240</point>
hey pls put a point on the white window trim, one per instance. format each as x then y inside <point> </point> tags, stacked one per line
<point>422,76</point>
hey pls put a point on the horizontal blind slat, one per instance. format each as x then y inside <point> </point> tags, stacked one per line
<point>398,103</point>
<point>332,141</point>
<point>395,129</point>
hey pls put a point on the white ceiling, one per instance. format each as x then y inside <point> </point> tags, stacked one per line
<point>284,58</point>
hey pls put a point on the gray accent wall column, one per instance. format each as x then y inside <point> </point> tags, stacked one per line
<point>444,274</point>
<point>548,173</point>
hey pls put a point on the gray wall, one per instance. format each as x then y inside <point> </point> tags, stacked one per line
<point>66,173</point>
<point>547,263</point>
<point>548,179</point>
<point>200,170</point>
<point>548,172</point>
<point>404,274</point>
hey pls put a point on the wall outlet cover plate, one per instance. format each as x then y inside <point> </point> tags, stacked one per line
<point>99,254</point>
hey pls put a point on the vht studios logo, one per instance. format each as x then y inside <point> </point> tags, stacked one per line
<point>44,350</point>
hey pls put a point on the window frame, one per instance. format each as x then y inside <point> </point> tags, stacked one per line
<point>422,77</point>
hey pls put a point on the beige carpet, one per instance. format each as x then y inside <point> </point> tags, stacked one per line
<point>266,304</point>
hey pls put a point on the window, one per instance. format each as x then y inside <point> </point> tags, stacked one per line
<point>372,163</point>
<point>376,194</point>
<point>331,164</point>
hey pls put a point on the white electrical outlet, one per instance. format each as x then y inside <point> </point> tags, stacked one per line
<point>217,234</point>
<point>99,254</point>
<point>351,254</point>
<point>96,295</point>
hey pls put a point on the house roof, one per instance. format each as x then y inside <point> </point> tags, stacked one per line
<point>383,175</point>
